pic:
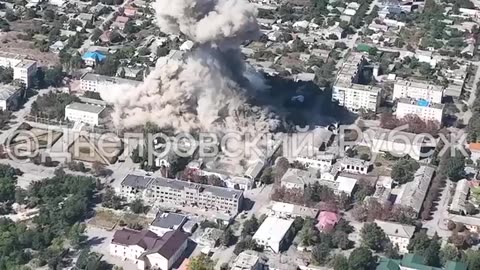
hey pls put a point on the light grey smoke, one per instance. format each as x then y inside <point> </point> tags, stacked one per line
<point>208,88</point>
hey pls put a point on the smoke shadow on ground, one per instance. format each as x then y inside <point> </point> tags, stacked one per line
<point>301,103</point>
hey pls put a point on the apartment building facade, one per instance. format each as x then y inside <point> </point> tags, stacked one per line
<point>426,110</point>
<point>159,190</point>
<point>417,90</point>
<point>23,69</point>
<point>95,82</point>
<point>349,93</point>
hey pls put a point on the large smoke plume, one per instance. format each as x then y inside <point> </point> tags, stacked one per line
<point>209,88</point>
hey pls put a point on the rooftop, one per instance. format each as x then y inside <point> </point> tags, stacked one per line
<point>143,182</point>
<point>26,63</point>
<point>460,197</point>
<point>168,220</point>
<point>85,107</point>
<point>420,103</point>
<point>419,84</point>
<point>396,229</point>
<point>414,192</point>
<point>355,162</point>
<point>245,260</point>
<point>273,229</point>
<point>167,245</point>
<point>346,184</point>
<point>299,177</point>
<point>359,87</point>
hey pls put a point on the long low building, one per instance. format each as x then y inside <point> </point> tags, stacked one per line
<point>159,190</point>
<point>95,82</point>
<point>414,192</point>
<point>84,113</point>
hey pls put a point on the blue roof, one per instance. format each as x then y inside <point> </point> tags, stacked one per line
<point>98,56</point>
<point>423,103</point>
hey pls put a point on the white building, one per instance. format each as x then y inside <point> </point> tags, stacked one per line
<point>9,96</point>
<point>345,185</point>
<point>398,234</point>
<point>355,165</point>
<point>272,233</point>
<point>237,182</point>
<point>322,161</point>
<point>427,111</point>
<point>356,96</point>
<point>459,199</point>
<point>84,113</point>
<point>163,191</point>
<point>148,250</point>
<point>348,93</point>
<point>23,69</point>
<point>417,90</point>
<point>247,260</point>
<point>95,82</point>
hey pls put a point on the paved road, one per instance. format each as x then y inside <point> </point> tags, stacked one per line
<point>437,223</point>
<point>21,114</point>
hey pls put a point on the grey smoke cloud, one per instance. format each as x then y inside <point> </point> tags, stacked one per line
<point>208,88</point>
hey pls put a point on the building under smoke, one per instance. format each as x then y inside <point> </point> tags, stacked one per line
<point>208,88</point>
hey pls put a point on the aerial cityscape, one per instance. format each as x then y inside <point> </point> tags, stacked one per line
<point>240,134</point>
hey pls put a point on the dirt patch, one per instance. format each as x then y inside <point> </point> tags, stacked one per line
<point>104,219</point>
<point>109,220</point>
<point>9,43</point>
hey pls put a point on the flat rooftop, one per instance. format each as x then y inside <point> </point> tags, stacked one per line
<point>420,103</point>
<point>273,229</point>
<point>85,107</point>
<point>26,63</point>
<point>419,84</point>
<point>358,87</point>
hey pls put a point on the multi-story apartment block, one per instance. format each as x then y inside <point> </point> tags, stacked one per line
<point>94,82</point>
<point>417,90</point>
<point>23,69</point>
<point>349,93</point>
<point>175,192</point>
<point>426,110</point>
<point>357,96</point>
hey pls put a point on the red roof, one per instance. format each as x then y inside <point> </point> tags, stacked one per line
<point>474,146</point>
<point>327,220</point>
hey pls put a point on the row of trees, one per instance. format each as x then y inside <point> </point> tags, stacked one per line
<point>52,105</point>
<point>413,123</point>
